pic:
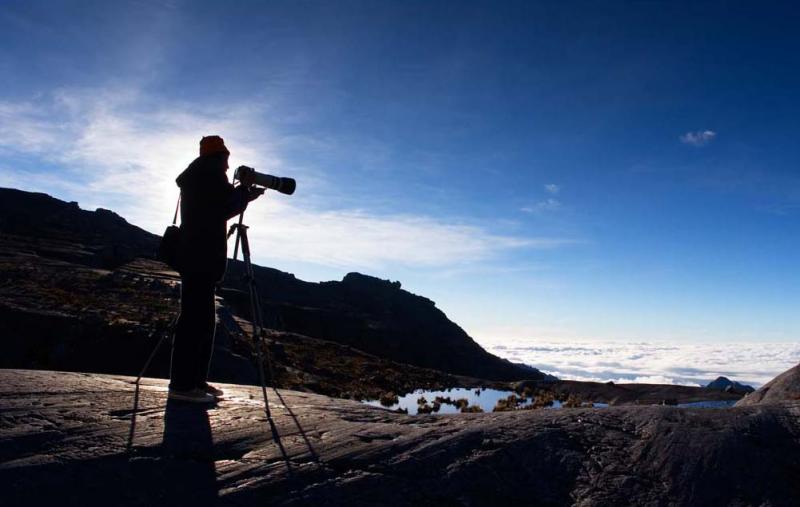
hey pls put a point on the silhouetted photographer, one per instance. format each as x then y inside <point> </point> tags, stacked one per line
<point>207,201</point>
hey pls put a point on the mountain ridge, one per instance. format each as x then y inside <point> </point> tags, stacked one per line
<point>369,314</point>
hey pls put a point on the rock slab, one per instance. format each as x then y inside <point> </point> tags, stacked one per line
<point>75,439</point>
<point>784,387</point>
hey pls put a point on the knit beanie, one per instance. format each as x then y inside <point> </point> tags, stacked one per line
<point>212,144</point>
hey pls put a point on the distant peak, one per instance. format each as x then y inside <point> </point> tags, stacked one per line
<point>726,384</point>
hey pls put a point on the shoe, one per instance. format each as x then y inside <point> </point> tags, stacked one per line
<point>192,396</point>
<point>213,391</point>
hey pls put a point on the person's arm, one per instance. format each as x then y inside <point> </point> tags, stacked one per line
<point>220,199</point>
<point>236,200</point>
<point>237,197</point>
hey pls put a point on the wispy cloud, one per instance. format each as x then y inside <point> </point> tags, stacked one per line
<point>352,239</point>
<point>547,205</point>
<point>543,206</point>
<point>123,150</point>
<point>118,148</point>
<point>698,138</point>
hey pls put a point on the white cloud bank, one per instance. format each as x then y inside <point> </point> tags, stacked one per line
<point>652,362</point>
<point>698,138</point>
<point>122,150</point>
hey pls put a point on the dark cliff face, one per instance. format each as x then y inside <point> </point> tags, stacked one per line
<point>372,315</point>
<point>378,317</point>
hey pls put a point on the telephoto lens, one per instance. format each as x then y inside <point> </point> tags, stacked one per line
<point>282,185</point>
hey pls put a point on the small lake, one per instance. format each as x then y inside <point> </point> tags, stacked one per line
<point>709,404</point>
<point>486,399</point>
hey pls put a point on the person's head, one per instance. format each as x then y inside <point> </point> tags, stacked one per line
<point>214,146</point>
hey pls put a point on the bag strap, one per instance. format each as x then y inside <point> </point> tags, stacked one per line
<point>177,207</point>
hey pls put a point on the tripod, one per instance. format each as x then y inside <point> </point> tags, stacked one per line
<point>255,312</point>
<point>258,340</point>
<point>255,305</point>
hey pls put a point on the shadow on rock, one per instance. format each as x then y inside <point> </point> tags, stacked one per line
<point>179,472</point>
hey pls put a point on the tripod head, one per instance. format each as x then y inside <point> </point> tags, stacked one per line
<point>235,228</point>
<point>241,235</point>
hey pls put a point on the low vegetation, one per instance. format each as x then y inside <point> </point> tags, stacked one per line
<point>388,399</point>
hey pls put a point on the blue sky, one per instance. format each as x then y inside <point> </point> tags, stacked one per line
<point>555,170</point>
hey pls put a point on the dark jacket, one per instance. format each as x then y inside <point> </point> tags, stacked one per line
<point>208,200</point>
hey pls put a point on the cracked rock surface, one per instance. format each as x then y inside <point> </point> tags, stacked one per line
<point>74,439</point>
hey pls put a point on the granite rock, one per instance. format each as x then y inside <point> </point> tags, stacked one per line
<point>75,439</point>
<point>784,387</point>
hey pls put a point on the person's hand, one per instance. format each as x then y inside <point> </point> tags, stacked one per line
<point>254,193</point>
<point>247,177</point>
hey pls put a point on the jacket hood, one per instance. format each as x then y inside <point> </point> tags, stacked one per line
<point>197,169</point>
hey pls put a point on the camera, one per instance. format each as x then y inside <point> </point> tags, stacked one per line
<point>282,185</point>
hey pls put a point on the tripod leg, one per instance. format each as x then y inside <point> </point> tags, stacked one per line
<point>169,332</point>
<point>255,314</point>
<point>258,342</point>
<point>257,306</point>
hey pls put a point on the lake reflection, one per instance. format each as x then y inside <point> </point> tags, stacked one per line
<point>485,398</point>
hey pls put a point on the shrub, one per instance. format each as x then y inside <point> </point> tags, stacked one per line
<point>502,406</point>
<point>572,402</point>
<point>388,399</point>
<point>543,399</point>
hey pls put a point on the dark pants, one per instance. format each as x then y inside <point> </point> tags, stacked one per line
<point>194,334</point>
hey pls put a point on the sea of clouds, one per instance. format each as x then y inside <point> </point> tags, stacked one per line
<point>652,362</point>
